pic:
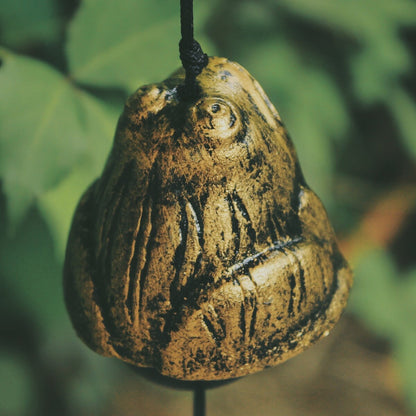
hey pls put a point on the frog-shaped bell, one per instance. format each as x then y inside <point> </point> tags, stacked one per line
<point>201,251</point>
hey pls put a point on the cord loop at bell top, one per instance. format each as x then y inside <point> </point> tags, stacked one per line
<point>194,60</point>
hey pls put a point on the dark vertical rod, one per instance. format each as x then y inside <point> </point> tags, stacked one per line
<point>199,401</point>
<point>187,20</point>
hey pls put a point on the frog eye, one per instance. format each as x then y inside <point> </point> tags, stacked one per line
<point>216,118</point>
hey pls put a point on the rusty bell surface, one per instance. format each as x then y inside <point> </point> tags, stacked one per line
<point>201,251</point>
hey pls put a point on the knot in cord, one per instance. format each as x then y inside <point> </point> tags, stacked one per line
<point>193,58</point>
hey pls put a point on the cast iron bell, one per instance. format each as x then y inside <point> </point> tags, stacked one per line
<point>201,251</point>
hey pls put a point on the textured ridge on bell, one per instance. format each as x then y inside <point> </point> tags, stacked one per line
<point>201,251</point>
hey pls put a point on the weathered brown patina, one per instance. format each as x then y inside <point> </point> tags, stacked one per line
<point>201,251</point>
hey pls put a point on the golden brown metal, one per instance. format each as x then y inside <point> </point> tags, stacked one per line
<point>201,251</point>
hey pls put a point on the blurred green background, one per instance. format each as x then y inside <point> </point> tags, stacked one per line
<point>342,73</point>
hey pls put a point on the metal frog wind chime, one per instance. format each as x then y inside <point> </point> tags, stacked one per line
<point>201,252</point>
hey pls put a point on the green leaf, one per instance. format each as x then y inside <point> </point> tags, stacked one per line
<point>375,296</point>
<point>407,294</point>
<point>350,16</point>
<point>377,68</point>
<point>406,358</point>
<point>382,57</point>
<point>386,303</point>
<point>404,111</point>
<point>41,133</point>
<point>25,22</point>
<point>58,204</point>
<point>30,268</point>
<point>16,385</point>
<point>125,44</point>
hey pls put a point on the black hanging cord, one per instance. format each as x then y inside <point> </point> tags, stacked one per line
<point>192,56</point>
<point>199,400</point>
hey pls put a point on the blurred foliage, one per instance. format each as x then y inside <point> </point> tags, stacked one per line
<point>387,305</point>
<point>24,22</point>
<point>138,35</point>
<point>342,75</point>
<point>16,385</point>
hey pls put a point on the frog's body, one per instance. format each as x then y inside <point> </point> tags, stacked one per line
<point>201,251</point>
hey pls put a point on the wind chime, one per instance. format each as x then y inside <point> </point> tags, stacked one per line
<point>201,252</point>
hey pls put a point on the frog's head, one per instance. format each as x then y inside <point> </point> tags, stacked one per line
<point>230,131</point>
